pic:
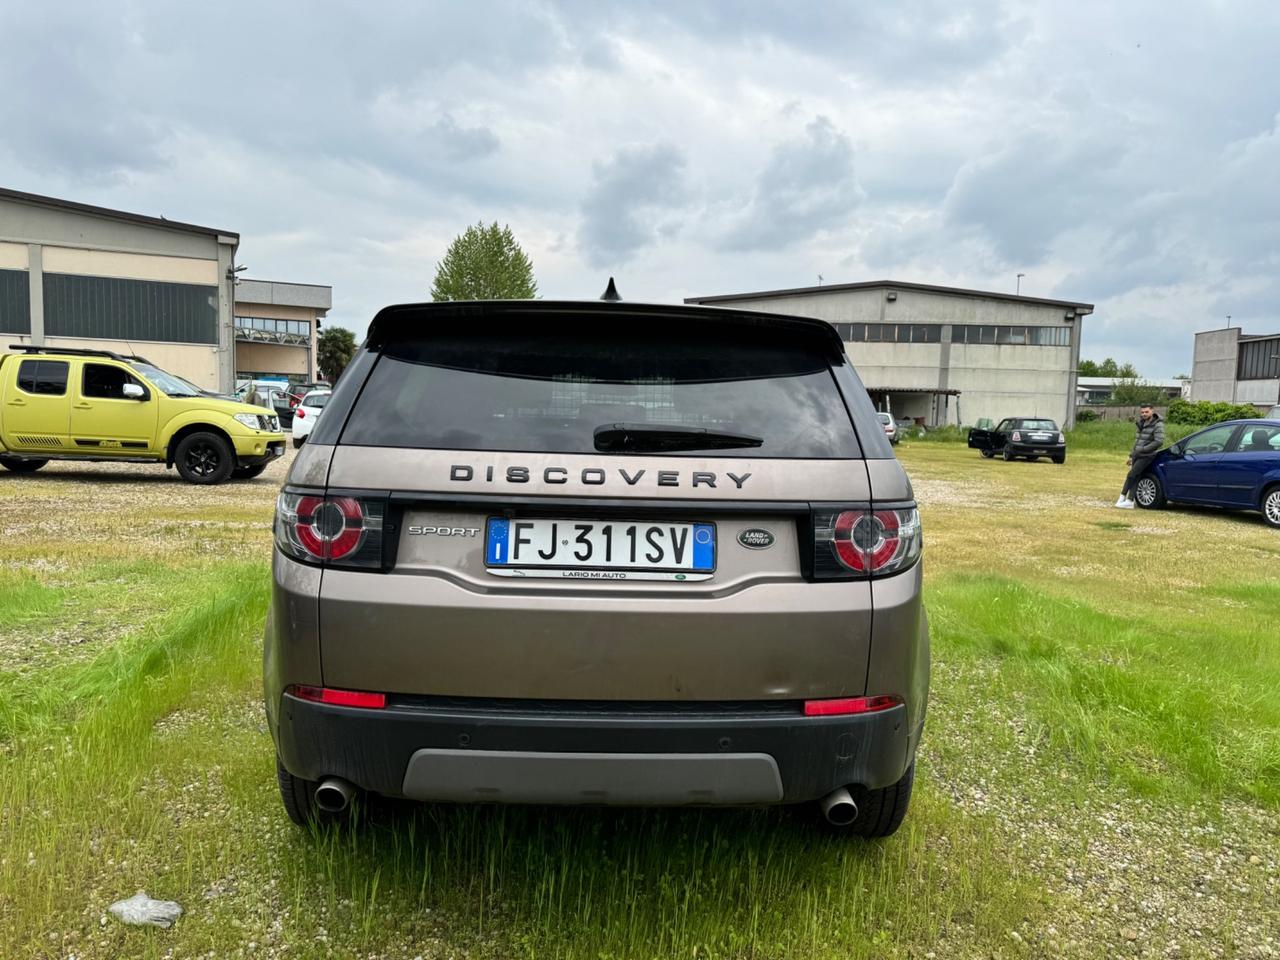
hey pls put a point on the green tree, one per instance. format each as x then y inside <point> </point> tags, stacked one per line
<point>1132,393</point>
<point>1128,371</point>
<point>334,349</point>
<point>1088,368</point>
<point>484,263</point>
<point>1108,368</point>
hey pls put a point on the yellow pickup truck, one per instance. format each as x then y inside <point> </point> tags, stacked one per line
<point>96,405</point>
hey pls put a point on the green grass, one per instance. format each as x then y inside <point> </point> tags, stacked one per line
<point>1180,705</point>
<point>1083,660</point>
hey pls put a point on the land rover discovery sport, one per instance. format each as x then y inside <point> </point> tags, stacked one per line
<point>598,553</point>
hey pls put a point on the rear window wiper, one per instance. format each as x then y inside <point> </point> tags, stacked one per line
<point>658,436</point>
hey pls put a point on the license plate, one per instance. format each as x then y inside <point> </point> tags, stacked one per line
<point>600,549</point>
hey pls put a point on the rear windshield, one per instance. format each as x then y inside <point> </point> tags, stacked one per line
<point>756,392</point>
<point>1037,425</point>
<point>316,400</point>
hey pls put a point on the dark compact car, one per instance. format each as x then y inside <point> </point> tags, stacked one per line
<point>1029,437</point>
<point>1234,465</point>
<point>598,553</point>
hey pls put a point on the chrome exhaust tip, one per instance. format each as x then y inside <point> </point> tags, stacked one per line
<point>838,807</point>
<point>334,795</point>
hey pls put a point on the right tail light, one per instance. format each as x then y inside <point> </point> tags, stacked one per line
<point>849,544</point>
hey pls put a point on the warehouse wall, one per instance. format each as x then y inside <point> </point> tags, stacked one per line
<point>104,281</point>
<point>995,380</point>
<point>1213,368</point>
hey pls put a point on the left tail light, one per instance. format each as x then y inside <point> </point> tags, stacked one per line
<point>1017,436</point>
<point>865,543</point>
<point>343,531</point>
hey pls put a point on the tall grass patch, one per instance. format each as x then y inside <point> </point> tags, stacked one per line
<point>1168,704</point>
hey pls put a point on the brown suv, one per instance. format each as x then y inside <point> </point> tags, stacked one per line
<point>601,553</point>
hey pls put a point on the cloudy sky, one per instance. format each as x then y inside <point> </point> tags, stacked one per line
<point>1120,154</point>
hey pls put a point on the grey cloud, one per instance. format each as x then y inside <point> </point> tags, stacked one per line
<point>623,210</point>
<point>807,185</point>
<point>911,44</point>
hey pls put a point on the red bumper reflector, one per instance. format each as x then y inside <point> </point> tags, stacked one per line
<point>847,705</point>
<point>340,698</point>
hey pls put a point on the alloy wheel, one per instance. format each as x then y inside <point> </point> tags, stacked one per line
<point>203,459</point>
<point>1271,507</point>
<point>1146,491</point>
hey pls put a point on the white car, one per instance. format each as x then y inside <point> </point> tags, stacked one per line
<point>890,428</point>
<point>306,413</point>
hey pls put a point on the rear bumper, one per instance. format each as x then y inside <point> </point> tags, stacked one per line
<point>554,752</point>
<point>1038,449</point>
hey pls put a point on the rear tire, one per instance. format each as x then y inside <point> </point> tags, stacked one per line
<point>1148,493</point>
<point>1060,458</point>
<point>21,466</point>
<point>248,473</point>
<point>1007,454</point>
<point>204,458</point>
<point>880,812</point>
<point>1271,507</point>
<point>298,796</point>
<point>987,454</point>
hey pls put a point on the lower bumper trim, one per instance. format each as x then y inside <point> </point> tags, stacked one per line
<point>659,779</point>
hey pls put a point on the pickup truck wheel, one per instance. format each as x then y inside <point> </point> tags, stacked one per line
<point>21,466</point>
<point>1059,458</point>
<point>1007,454</point>
<point>248,473</point>
<point>987,454</point>
<point>204,458</point>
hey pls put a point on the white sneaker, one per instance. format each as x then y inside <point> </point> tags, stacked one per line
<point>1121,502</point>
<point>1125,504</point>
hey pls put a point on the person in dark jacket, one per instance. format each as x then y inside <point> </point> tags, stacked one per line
<point>1146,445</point>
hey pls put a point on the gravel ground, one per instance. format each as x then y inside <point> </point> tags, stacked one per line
<point>1130,876</point>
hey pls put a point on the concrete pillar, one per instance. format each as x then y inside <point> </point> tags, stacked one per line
<point>1076,325</point>
<point>944,377</point>
<point>226,315</point>
<point>35,292</point>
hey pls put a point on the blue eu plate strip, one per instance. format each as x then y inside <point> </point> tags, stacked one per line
<point>704,546</point>
<point>496,540</point>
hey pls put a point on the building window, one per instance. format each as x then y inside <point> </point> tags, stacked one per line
<point>1259,360</point>
<point>110,308</point>
<point>15,302</point>
<point>889,332</point>
<point>271,330</point>
<point>1012,335</point>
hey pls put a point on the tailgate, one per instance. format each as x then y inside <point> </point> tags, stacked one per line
<point>440,622</point>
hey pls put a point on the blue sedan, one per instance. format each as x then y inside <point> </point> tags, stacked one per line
<point>1234,464</point>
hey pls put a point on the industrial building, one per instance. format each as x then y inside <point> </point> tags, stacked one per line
<point>1232,366</point>
<point>944,355</point>
<point>80,276</point>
